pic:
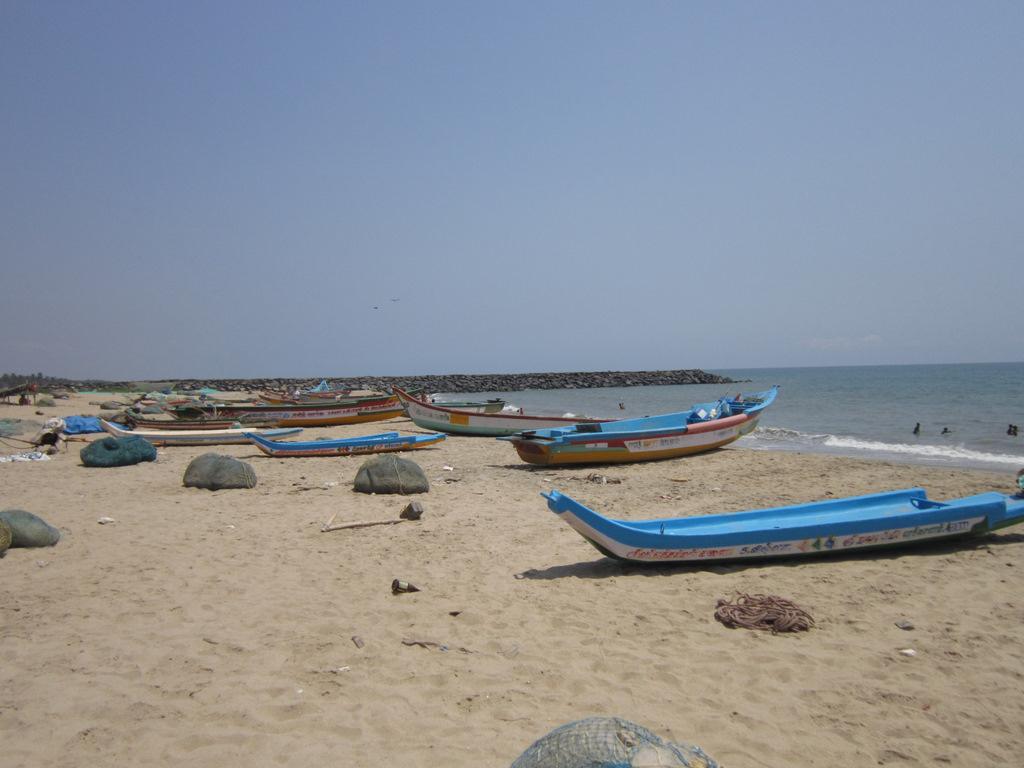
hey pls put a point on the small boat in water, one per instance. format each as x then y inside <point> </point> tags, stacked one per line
<point>235,436</point>
<point>455,421</point>
<point>348,446</point>
<point>892,519</point>
<point>701,428</point>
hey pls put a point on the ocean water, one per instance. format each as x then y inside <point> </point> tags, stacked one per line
<point>865,411</point>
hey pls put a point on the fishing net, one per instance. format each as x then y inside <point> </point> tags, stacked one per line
<point>768,612</point>
<point>14,427</point>
<point>216,472</point>
<point>609,742</point>
<point>28,530</point>
<point>390,474</point>
<point>5,537</point>
<point>117,452</point>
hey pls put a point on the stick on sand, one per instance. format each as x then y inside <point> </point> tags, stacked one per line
<point>361,524</point>
<point>412,512</point>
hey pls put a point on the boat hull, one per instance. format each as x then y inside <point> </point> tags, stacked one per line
<point>608,450</point>
<point>895,519</point>
<point>312,415</point>
<point>458,422</point>
<point>195,424</point>
<point>703,427</point>
<point>198,437</point>
<point>382,443</point>
<point>359,416</point>
<point>277,398</point>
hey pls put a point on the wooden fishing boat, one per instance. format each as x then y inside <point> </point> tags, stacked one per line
<point>322,391</point>
<point>223,409</point>
<point>895,518</point>
<point>351,411</point>
<point>458,422</point>
<point>276,398</point>
<point>235,436</point>
<point>701,428</point>
<point>141,422</point>
<point>282,398</point>
<point>326,389</point>
<point>348,446</point>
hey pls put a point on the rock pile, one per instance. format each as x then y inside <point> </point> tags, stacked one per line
<point>478,382</point>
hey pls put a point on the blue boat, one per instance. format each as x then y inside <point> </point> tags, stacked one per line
<point>895,518</point>
<point>379,443</point>
<point>701,428</point>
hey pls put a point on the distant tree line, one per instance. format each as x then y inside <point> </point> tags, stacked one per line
<point>12,379</point>
<point>43,381</point>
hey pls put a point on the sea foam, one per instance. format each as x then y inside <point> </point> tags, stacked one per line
<point>779,437</point>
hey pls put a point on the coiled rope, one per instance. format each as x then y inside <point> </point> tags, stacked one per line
<point>768,612</point>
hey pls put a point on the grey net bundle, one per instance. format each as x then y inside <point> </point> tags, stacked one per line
<point>609,742</point>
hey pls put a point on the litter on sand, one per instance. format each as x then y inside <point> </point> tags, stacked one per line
<point>24,456</point>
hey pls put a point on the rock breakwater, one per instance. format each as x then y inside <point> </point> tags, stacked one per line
<point>475,382</point>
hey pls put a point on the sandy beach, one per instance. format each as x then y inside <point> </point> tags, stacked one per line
<point>216,629</point>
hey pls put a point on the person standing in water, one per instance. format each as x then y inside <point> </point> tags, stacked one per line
<point>917,428</point>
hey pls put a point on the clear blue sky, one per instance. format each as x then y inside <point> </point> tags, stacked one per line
<point>306,189</point>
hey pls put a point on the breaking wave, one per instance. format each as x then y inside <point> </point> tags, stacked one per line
<point>767,438</point>
<point>781,435</point>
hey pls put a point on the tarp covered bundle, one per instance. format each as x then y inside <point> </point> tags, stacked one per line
<point>609,742</point>
<point>81,425</point>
